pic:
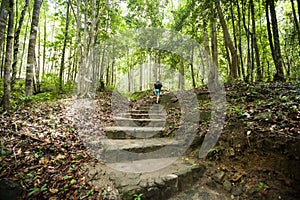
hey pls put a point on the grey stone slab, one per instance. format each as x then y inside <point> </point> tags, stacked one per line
<point>127,132</point>
<point>155,184</point>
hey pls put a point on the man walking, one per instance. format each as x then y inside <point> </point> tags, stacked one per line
<point>157,88</point>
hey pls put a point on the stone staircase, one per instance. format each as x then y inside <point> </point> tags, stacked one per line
<point>143,160</point>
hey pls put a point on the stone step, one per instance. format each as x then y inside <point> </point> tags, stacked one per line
<point>145,111</point>
<point>139,149</point>
<point>155,178</point>
<point>123,121</point>
<point>141,111</point>
<point>142,115</point>
<point>123,132</point>
<point>150,106</point>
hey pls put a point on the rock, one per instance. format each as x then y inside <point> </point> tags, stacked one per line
<point>159,182</point>
<point>236,191</point>
<point>227,185</point>
<point>143,183</point>
<point>211,184</point>
<point>219,176</point>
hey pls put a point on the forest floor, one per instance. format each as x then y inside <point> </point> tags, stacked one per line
<point>257,155</point>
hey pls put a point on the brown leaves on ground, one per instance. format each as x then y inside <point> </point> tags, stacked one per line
<point>40,150</point>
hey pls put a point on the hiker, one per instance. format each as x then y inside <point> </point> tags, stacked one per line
<point>157,88</point>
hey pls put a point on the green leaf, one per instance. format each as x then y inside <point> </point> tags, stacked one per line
<point>33,191</point>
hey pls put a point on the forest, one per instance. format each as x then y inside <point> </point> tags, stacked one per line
<point>48,45</point>
<point>59,55</point>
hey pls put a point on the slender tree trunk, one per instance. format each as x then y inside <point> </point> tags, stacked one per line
<point>102,66</point>
<point>69,75</point>
<point>16,45</point>
<point>129,79</point>
<point>112,72</point>
<point>44,45</point>
<point>62,64</point>
<point>31,47</point>
<point>79,48</point>
<point>248,34</point>
<point>298,4</point>
<point>234,31</point>
<point>279,76</point>
<point>214,49</point>
<point>8,58</point>
<point>240,39</point>
<point>288,60</point>
<point>228,42</point>
<point>38,64</point>
<point>257,54</point>
<point>155,67</point>
<point>233,24</point>
<point>2,60</point>
<point>159,67</point>
<point>204,61</point>
<point>3,19</point>
<point>192,68</point>
<point>107,73</point>
<point>296,20</point>
<point>141,76</point>
<point>24,46</point>
<point>181,74</point>
<point>270,37</point>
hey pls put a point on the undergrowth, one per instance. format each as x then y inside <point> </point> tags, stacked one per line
<point>48,92</point>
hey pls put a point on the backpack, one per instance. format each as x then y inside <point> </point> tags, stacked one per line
<point>157,85</point>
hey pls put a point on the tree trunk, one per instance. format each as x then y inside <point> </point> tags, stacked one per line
<point>298,5</point>
<point>107,73</point>
<point>249,71</point>
<point>228,42</point>
<point>62,64</point>
<point>233,24</point>
<point>192,68</point>
<point>37,82</point>
<point>213,78</point>
<point>3,19</point>
<point>112,80</point>
<point>296,20</point>
<point>240,39</point>
<point>44,45</point>
<point>279,76</point>
<point>181,74</point>
<point>234,31</point>
<point>257,55</point>
<point>141,76</point>
<point>8,57</point>
<point>16,44</point>
<point>270,37</point>
<point>2,60</point>
<point>24,46</point>
<point>31,47</point>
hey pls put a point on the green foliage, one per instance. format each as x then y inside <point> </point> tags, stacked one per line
<point>34,190</point>
<point>261,186</point>
<point>237,110</point>
<point>90,192</point>
<point>49,92</point>
<point>213,153</point>
<point>141,95</point>
<point>214,149</point>
<point>137,196</point>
